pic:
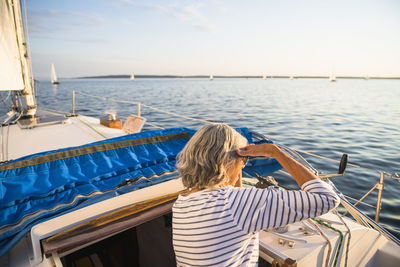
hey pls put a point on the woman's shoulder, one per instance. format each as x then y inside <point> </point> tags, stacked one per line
<point>233,191</point>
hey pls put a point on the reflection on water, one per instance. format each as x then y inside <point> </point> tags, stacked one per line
<point>357,117</point>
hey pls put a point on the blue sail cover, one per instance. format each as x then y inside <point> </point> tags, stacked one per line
<point>42,186</point>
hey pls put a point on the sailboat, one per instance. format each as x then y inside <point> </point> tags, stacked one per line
<point>211,77</point>
<point>54,79</point>
<point>76,191</point>
<point>332,78</point>
<point>264,77</point>
<point>132,77</point>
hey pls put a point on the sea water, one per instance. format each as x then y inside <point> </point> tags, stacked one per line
<point>354,116</point>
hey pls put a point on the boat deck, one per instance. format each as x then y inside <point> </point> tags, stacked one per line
<point>52,131</point>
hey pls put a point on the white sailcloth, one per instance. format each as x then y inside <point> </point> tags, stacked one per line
<point>11,75</point>
<point>53,75</point>
<point>132,77</point>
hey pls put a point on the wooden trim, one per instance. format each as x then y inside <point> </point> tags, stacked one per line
<point>110,224</point>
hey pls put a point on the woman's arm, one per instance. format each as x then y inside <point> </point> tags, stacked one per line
<point>300,173</point>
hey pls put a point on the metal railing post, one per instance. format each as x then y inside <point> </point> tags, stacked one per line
<point>379,200</point>
<point>73,102</point>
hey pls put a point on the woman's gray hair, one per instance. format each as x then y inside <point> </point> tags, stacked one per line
<point>205,159</point>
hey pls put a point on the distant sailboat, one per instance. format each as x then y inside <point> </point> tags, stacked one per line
<point>264,77</point>
<point>211,77</point>
<point>54,75</point>
<point>332,77</point>
<point>291,77</point>
<point>132,77</point>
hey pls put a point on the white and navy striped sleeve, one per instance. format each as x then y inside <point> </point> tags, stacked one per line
<point>257,209</point>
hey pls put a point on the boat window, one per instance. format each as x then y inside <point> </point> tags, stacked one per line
<point>148,244</point>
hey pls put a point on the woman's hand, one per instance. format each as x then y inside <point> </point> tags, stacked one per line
<point>262,150</point>
<point>300,173</point>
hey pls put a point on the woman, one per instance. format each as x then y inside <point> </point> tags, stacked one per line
<point>216,223</point>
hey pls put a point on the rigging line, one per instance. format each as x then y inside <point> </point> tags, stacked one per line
<point>21,112</point>
<point>361,202</point>
<point>340,240</point>
<point>328,242</point>
<point>295,154</point>
<point>108,98</point>
<point>93,110</point>
<point>393,176</point>
<point>364,196</point>
<point>5,100</point>
<point>177,115</point>
<point>147,106</point>
<point>290,151</point>
<point>55,111</point>
<point>348,240</point>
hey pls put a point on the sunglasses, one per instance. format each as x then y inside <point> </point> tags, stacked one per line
<point>244,158</point>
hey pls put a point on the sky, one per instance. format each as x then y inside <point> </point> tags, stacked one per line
<point>101,37</point>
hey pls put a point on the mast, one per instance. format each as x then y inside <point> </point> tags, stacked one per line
<point>15,61</point>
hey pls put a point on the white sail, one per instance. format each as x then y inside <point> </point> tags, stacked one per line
<point>332,78</point>
<point>264,77</point>
<point>211,77</point>
<point>11,71</point>
<point>15,68</point>
<point>132,77</point>
<point>53,75</point>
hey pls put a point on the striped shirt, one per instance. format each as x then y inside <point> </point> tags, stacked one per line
<point>219,227</point>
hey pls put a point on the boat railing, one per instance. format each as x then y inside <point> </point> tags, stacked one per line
<point>378,186</point>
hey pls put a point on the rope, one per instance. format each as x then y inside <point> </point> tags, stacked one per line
<point>348,240</point>
<point>340,240</point>
<point>326,239</point>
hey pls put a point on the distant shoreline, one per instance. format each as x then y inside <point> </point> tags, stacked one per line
<point>226,76</point>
